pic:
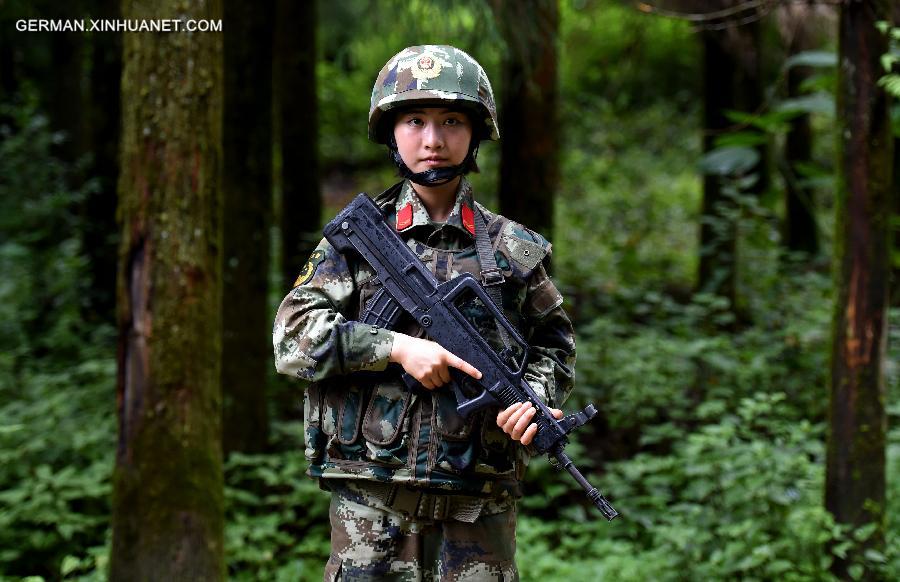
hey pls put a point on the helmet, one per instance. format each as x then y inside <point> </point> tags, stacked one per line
<point>433,75</point>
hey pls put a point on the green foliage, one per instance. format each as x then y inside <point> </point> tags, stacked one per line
<point>740,498</point>
<point>40,253</point>
<point>890,61</point>
<point>57,437</point>
<point>628,59</point>
<point>276,517</point>
<point>675,370</point>
<point>639,225</point>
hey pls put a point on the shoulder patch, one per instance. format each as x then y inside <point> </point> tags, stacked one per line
<point>523,245</point>
<point>526,253</point>
<point>309,268</point>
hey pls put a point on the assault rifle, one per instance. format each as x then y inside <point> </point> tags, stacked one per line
<point>408,286</point>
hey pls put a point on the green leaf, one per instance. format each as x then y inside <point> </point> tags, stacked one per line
<point>891,84</point>
<point>729,161</point>
<point>819,102</point>
<point>69,565</point>
<point>771,122</point>
<point>865,532</point>
<point>741,139</point>
<point>812,59</point>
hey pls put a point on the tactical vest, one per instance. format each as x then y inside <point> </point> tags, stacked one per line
<point>369,425</point>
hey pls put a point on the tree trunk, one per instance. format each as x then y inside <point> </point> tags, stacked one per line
<point>9,69</point>
<point>855,469</point>
<point>65,96</point>
<point>732,80</point>
<point>168,487</point>
<point>9,78</point>
<point>718,236</point>
<point>895,259</point>
<point>246,319</point>
<point>301,202</point>
<point>801,231</point>
<point>99,207</point>
<point>529,130</point>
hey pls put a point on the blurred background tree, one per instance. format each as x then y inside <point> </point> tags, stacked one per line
<point>682,156</point>
<point>247,188</point>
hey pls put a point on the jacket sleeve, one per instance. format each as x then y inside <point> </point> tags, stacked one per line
<point>551,364</point>
<point>312,337</point>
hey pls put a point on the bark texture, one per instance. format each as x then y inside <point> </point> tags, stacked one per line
<point>168,498</point>
<point>246,320</point>
<point>301,202</point>
<point>529,128</point>
<point>855,469</point>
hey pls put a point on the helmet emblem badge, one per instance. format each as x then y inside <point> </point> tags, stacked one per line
<point>427,67</point>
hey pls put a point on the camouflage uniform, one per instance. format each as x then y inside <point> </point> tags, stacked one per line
<point>418,491</point>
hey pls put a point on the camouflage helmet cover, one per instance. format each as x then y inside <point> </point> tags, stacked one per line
<point>433,74</point>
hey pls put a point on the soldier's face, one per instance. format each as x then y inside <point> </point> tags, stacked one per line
<point>432,137</point>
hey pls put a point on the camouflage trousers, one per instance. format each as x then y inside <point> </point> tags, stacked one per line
<point>373,542</point>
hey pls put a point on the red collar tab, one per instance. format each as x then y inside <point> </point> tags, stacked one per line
<point>468,218</point>
<point>404,217</point>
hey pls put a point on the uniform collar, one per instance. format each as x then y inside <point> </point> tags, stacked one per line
<point>411,212</point>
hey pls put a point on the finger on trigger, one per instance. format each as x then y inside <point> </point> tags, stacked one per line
<point>465,366</point>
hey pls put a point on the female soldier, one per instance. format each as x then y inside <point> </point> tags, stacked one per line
<point>417,491</point>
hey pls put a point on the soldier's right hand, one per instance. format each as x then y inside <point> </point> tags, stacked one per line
<point>427,361</point>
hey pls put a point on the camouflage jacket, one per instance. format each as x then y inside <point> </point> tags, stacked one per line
<point>361,420</point>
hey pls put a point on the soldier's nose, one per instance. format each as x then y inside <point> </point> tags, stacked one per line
<point>432,137</point>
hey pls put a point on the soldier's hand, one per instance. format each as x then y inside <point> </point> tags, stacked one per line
<point>515,421</point>
<point>427,361</point>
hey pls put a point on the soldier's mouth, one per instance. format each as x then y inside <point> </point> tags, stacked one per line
<point>434,161</point>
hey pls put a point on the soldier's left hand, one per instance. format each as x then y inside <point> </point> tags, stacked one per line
<point>514,421</point>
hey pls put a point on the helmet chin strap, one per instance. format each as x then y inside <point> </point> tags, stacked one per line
<point>435,176</point>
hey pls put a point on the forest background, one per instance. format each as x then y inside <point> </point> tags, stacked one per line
<point>684,158</point>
